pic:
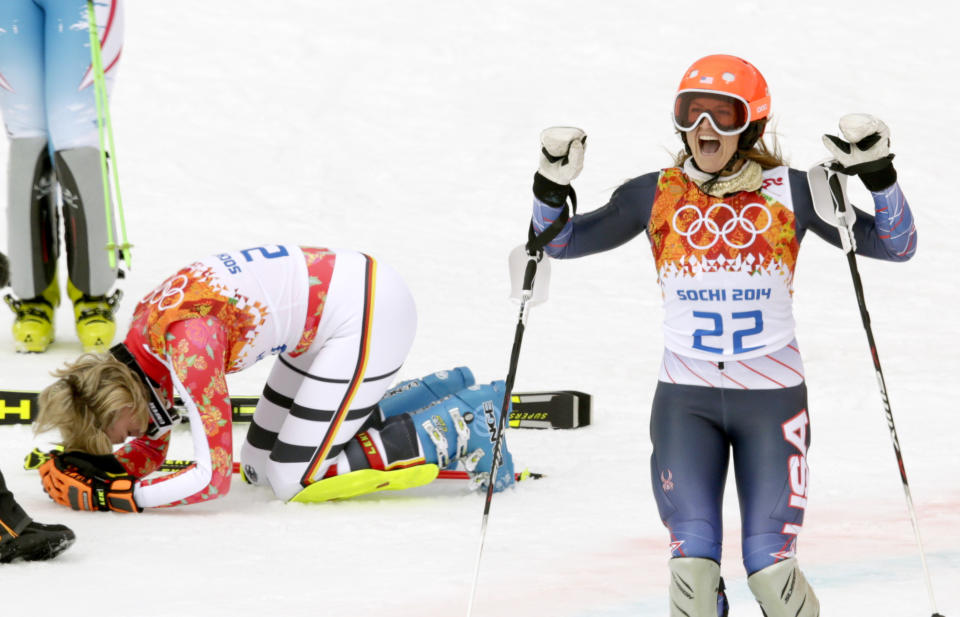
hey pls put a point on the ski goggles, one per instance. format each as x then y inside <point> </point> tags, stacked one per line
<point>728,114</point>
<point>162,417</point>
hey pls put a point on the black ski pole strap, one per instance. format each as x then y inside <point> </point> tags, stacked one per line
<point>536,242</point>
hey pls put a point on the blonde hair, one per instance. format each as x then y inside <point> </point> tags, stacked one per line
<point>768,156</point>
<point>85,399</point>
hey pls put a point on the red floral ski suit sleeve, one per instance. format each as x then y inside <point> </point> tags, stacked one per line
<point>197,351</point>
<point>142,456</point>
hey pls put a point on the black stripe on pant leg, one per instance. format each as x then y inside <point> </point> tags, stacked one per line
<point>276,398</point>
<point>359,413</point>
<point>308,413</point>
<point>384,376</point>
<point>288,453</point>
<point>335,450</point>
<point>324,415</point>
<point>373,421</point>
<point>259,437</point>
<point>304,373</point>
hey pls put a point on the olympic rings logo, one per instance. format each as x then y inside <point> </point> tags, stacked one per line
<point>707,221</point>
<point>170,293</point>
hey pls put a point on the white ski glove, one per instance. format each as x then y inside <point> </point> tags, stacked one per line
<point>561,160</point>
<point>561,153</point>
<point>866,152</point>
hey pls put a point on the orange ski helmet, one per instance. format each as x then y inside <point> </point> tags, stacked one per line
<point>732,80</point>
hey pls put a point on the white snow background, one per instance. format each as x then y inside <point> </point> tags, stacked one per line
<point>409,130</point>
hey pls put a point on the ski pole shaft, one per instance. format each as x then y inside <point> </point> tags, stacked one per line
<point>528,278</point>
<point>105,130</point>
<point>124,242</point>
<point>839,200</point>
<point>97,66</point>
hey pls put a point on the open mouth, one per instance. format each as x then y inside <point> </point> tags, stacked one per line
<point>708,144</point>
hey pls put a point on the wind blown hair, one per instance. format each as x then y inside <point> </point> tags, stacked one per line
<point>85,399</point>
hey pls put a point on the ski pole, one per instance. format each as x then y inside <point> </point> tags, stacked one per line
<point>527,293</point>
<point>534,250</point>
<point>104,124</point>
<point>849,246</point>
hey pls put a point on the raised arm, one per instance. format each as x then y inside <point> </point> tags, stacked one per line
<point>621,219</point>
<point>890,234</point>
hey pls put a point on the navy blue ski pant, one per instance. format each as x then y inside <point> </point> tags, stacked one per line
<point>694,429</point>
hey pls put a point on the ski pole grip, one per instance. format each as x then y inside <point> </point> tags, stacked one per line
<point>837,192</point>
<point>529,273</point>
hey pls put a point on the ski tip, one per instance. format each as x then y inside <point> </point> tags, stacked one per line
<point>38,457</point>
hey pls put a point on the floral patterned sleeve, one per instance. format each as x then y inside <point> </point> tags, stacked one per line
<point>196,350</point>
<point>142,456</point>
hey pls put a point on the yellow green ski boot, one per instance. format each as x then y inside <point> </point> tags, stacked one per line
<point>33,326</point>
<point>94,318</point>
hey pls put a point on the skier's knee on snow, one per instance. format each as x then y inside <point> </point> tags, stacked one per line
<point>284,485</point>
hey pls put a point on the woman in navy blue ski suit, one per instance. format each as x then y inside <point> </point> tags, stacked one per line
<point>725,224</point>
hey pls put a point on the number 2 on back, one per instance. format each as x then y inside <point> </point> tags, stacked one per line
<point>280,252</point>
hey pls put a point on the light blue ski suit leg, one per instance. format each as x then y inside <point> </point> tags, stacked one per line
<point>47,98</point>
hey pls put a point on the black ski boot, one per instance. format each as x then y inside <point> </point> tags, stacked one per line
<point>36,542</point>
<point>22,538</point>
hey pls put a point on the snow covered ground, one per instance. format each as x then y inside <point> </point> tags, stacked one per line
<point>410,130</point>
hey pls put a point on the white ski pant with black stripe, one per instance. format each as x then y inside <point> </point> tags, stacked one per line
<point>313,404</point>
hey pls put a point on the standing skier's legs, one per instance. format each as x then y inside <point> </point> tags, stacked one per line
<point>688,471</point>
<point>770,433</point>
<point>32,225</point>
<point>74,137</point>
<point>34,244</point>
